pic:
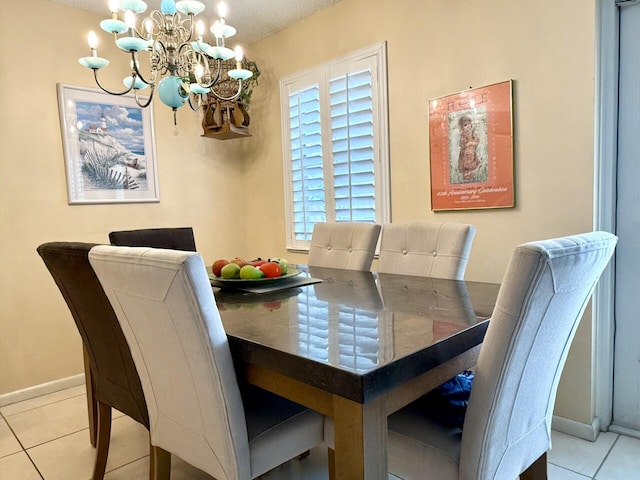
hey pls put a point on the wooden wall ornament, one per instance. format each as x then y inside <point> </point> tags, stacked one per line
<point>224,120</point>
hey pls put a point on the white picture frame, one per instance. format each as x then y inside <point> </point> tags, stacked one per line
<point>109,147</point>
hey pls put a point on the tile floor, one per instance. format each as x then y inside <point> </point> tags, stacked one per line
<point>47,438</point>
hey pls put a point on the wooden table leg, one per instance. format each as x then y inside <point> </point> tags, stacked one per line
<point>360,437</point>
<point>360,431</point>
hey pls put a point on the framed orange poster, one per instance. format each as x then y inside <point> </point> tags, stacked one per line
<point>471,149</point>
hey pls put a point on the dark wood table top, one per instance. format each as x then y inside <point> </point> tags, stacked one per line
<point>356,334</point>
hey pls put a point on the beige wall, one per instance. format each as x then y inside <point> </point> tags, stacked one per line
<point>199,179</point>
<point>438,47</point>
<point>435,48</point>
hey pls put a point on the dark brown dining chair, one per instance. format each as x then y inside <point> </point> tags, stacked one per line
<point>179,238</point>
<point>110,375</point>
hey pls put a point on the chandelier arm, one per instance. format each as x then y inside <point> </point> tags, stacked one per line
<point>106,90</point>
<point>136,70</point>
<point>196,107</point>
<point>231,98</point>
<point>148,102</point>
<point>162,55</point>
<point>157,18</point>
<point>217,77</point>
<point>185,62</point>
<point>191,23</point>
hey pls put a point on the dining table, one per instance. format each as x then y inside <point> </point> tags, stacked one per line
<point>355,346</point>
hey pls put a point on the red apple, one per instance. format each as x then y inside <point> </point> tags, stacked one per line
<point>217,266</point>
<point>271,269</point>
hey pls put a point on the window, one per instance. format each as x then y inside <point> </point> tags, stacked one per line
<point>335,144</point>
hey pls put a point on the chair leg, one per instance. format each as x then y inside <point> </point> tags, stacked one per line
<point>160,463</point>
<point>102,441</point>
<point>92,405</point>
<point>537,470</point>
<point>331,460</point>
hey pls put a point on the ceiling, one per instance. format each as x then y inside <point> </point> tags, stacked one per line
<point>254,19</point>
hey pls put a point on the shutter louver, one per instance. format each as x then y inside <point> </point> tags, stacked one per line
<point>307,171</point>
<point>352,135</point>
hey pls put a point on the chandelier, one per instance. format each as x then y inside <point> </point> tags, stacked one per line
<point>179,64</point>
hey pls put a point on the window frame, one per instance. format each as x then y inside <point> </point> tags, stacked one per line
<point>375,58</point>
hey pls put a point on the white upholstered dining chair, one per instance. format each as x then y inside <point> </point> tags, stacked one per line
<point>507,428</point>
<point>197,408</point>
<point>438,250</point>
<point>346,245</point>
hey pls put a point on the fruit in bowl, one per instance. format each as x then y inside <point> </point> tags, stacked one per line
<point>217,266</point>
<point>230,270</point>
<point>241,262</point>
<point>271,269</point>
<point>236,268</point>
<point>258,261</point>
<point>284,265</point>
<point>249,272</point>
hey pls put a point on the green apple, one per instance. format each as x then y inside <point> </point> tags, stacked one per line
<point>284,265</point>
<point>249,272</point>
<point>230,270</point>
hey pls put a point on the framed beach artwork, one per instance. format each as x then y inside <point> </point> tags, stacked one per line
<point>109,147</point>
<point>471,149</point>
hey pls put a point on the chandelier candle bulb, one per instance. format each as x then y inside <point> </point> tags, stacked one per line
<point>92,38</point>
<point>217,30</point>
<point>200,30</point>
<point>94,62</point>
<point>222,11</point>
<point>113,8</point>
<point>239,54</point>
<point>130,20</point>
<point>239,73</point>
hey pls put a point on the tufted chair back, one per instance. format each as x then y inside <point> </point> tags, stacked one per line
<point>347,245</point>
<point>437,250</point>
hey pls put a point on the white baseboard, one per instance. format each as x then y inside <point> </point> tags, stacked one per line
<point>626,431</point>
<point>39,390</point>
<point>577,429</point>
<point>565,425</point>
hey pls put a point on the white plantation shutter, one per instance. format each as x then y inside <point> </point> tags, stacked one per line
<point>307,179</point>
<point>335,144</point>
<point>352,135</point>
